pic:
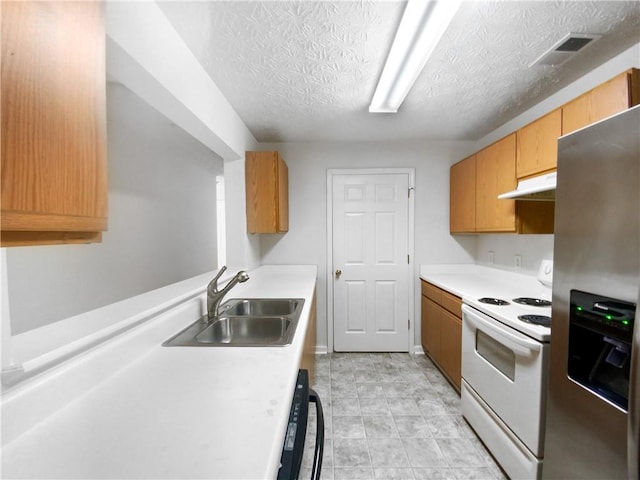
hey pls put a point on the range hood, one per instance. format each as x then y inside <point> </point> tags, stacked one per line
<point>542,188</point>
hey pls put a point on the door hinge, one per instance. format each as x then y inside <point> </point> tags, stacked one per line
<point>409,192</point>
<point>408,260</point>
<point>408,324</point>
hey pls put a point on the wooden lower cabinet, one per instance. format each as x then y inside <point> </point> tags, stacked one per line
<point>442,331</point>
<point>308,361</point>
<point>431,323</point>
<point>451,346</point>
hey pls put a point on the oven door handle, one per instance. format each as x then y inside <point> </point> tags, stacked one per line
<point>495,330</point>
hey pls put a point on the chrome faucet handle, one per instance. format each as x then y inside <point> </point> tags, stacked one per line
<point>213,284</point>
<point>215,296</point>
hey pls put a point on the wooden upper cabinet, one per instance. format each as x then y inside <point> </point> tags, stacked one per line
<point>462,196</point>
<point>475,183</point>
<point>537,145</point>
<point>614,96</point>
<point>267,190</point>
<point>496,174</point>
<point>530,151</point>
<point>54,163</point>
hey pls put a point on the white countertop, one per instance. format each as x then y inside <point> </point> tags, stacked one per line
<point>179,412</point>
<point>476,281</point>
<point>472,282</point>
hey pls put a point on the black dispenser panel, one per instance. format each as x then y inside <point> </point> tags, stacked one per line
<point>600,340</point>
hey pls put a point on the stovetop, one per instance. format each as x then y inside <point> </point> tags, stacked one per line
<point>507,302</point>
<point>532,302</point>
<point>508,314</point>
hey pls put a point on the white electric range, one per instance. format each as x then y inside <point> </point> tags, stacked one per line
<point>505,349</point>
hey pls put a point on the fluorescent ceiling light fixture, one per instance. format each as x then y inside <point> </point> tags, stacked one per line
<point>423,24</point>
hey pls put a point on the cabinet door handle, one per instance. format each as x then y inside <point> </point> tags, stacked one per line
<point>338,273</point>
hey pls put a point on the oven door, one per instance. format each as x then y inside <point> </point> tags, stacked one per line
<point>508,370</point>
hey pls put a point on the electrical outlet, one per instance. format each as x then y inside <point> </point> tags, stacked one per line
<point>491,257</point>
<point>517,261</point>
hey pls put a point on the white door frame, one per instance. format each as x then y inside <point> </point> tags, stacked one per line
<point>411,245</point>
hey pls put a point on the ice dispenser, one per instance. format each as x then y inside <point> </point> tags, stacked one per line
<point>600,340</point>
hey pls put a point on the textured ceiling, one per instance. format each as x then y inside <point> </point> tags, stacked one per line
<point>306,70</point>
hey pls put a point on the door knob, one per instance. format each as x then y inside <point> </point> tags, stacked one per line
<point>338,273</point>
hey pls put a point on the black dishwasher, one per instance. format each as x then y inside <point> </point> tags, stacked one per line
<point>293,448</point>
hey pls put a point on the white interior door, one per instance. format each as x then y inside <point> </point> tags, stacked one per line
<point>370,262</point>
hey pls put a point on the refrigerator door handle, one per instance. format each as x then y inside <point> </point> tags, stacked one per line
<point>633,417</point>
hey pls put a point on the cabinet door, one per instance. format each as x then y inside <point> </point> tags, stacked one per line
<point>431,327</point>
<point>614,96</point>
<point>451,347</point>
<point>267,193</point>
<point>431,291</point>
<point>283,197</point>
<point>611,97</point>
<point>452,303</point>
<point>54,177</point>
<point>495,174</point>
<point>537,145</point>
<point>462,196</point>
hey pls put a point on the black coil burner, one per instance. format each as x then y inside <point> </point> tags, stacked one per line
<point>536,319</point>
<point>493,301</point>
<point>533,302</point>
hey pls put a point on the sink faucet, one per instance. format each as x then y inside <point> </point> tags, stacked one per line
<point>215,296</point>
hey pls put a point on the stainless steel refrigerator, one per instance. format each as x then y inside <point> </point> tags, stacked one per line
<point>594,392</point>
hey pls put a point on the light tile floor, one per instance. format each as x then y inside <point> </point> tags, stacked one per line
<point>392,416</point>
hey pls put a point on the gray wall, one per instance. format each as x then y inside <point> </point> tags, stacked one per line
<point>306,241</point>
<point>162,223</point>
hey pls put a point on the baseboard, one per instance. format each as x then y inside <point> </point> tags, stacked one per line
<point>323,350</point>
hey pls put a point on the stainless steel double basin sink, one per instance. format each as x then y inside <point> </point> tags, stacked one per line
<point>247,322</point>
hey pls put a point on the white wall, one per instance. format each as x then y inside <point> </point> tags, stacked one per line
<point>243,250</point>
<point>162,223</point>
<point>146,53</point>
<point>305,243</point>
<point>531,249</point>
<point>306,240</point>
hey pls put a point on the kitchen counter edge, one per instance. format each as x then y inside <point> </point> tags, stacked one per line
<point>137,411</point>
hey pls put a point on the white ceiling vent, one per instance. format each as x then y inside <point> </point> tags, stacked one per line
<point>568,46</point>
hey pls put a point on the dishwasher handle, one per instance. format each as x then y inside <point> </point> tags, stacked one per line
<point>319,448</point>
